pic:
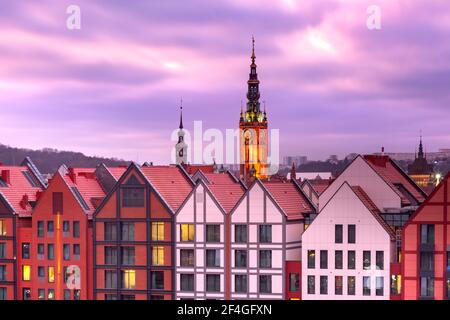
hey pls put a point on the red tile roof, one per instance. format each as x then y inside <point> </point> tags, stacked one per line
<point>320,185</point>
<point>117,172</point>
<point>193,168</point>
<point>87,184</point>
<point>393,175</point>
<point>370,205</point>
<point>170,182</point>
<point>18,187</point>
<point>225,189</point>
<point>289,198</point>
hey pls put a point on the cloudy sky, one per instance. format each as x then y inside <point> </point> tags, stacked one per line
<point>331,85</point>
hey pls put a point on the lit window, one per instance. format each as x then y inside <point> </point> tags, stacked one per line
<point>128,279</point>
<point>158,231</point>
<point>26,273</point>
<point>187,232</point>
<point>158,256</point>
<point>51,294</point>
<point>51,274</point>
<point>2,228</point>
<point>396,284</point>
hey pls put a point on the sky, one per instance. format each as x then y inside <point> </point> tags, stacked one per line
<point>331,85</point>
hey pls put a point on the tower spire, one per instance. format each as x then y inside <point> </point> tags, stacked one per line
<point>253,50</point>
<point>181,114</point>
<point>421,154</point>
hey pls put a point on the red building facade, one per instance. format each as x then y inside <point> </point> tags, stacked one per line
<point>426,247</point>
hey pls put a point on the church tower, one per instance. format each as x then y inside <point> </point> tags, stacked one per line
<point>181,146</point>
<point>253,130</point>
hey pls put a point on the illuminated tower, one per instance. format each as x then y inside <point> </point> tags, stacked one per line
<point>253,129</point>
<point>181,146</point>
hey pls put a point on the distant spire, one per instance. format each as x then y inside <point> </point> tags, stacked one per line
<point>181,114</point>
<point>421,153</point>
<point>253,50</point>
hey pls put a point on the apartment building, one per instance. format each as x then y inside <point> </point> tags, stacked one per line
<point>426,248</point>
<point>202,237</point>
<point>133,234</point>
<point>347,250</point>
<point>266,227</point>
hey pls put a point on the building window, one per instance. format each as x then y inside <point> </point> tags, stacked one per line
<point>66,228</point>
<point>338,283</point>
<point>187,232</point>
<point>379,289</point>
<point>323,259</point>
<point>110,231</point>
<point>265,284</point>
<point>157,231</point>
<point>366,286</point>
<point>40,251</point>
<point>127,231</point>
<point>380,260</point>
<point>76,294</point>
<point>2,250</point>
<point>213,258</point>
<point>127,297</point>
<point>338,236</point>
<point>25,250</point>
<point>40,229</point>
<point>133,197</point>
<point>323,285</point>
<point>157,279</point>
<point>212,283</point>
<point>76,251</point>
<point>26,294</point>
<point>51,274</point>
<point>67,294</point>
<point>110,279</point>
<point>240,283</point>
<point>127,255</point>
<point>187,257</point>
<point>265,259</point>
<point>427,234</point>
<point>351,233</point>
<point>351,285</point>
<point>76,229</point>
<point>187,282</point>
<point>2,273</point>
<point>265,233</point>
<point>51,294</point>
<point>338,259</point>
<point>66,252</point>
<point>3,231</point>
<point>41,294</point>
<point>110,297</point>
<point>50,228</point>
<point>311,259</point>
<point>3,294</point>
<point>426,261</point>
<point>240,258</point>
<point>213,233</point>
<point>396,284</point>
<point>158,256</point>
<point>426,287</point>
<point>128,279</point>
<point>294,282</point>
<point>50,251</point>
<point>41,273</point>
<point>351,263</point>
<point>366,260</point>
<point>26,273</point>
<point>110,255</point>
<point>240,233</point>
<point>311,285</point>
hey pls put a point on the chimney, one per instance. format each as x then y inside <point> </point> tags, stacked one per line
<point>6,176</point>
<point>72,175</point>
<point>293,172</point>
<point>24,202</point>
<point>382,151</point>
<point>38,195</point>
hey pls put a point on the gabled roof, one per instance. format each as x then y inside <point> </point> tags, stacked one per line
<point>117,172</point>
<point>225,188</point>
<point>290,198</point>
<point>20,192</point>
<point>318,185</point>
<point>171,182</point>
<point>365,199</point>
<point>393,175</point>
<point>89,188</point>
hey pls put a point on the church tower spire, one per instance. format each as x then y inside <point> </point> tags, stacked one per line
<point>181,146</point>
<point>253,129</point>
